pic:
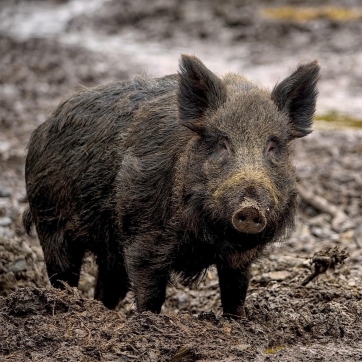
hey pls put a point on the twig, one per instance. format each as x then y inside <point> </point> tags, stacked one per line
<point>324,260</point>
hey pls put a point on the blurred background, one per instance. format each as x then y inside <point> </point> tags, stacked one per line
<point>53,45</point>
<point>48,47</point>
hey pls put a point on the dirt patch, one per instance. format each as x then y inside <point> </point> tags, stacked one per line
<point>279,320</point>
<point>284,321</point>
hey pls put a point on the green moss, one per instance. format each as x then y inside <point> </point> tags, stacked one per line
<point>303,14</point>
<point>337,120</point>
<point>273,350</point>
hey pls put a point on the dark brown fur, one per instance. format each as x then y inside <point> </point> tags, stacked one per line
<point>147,174</point>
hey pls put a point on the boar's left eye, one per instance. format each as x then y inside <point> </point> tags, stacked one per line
<point>271,148</point>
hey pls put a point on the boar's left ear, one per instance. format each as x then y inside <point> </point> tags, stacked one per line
<point>199,91</point>
<point>297,96</point>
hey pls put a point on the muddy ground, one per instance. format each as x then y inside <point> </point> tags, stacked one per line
<point>47,48</point>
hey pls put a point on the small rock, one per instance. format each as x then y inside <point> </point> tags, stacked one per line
<point>242,346</point>
<point>5,221</point>
<point>320,232</point>
<point>182,298</point>
<point>316,231</point>
<point>279,275</point>
<point>17,265</point>
<point>4,192</point>
<point>334,237</point>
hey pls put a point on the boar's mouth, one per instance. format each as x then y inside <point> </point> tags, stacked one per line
<point>249,219</point>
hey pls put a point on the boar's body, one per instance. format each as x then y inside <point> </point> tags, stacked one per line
<point>168,175</point>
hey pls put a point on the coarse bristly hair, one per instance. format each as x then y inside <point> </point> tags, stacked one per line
<point>150,175</point>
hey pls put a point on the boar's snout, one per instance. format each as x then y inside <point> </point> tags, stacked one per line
<point>249,219</point>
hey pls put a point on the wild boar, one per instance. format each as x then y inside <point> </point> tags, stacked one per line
<point>167,176</point>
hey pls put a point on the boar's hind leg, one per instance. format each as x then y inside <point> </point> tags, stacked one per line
<point>112,282</point>
<point>233,287</point>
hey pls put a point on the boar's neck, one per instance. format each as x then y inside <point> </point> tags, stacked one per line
<point>151,146</point>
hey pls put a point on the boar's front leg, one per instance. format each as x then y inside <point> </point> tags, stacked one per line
<point>149,274</point>
<point>233,287</point>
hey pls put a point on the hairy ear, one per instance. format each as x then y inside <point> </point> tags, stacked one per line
<point>200,90</point>
<point>297,96</point>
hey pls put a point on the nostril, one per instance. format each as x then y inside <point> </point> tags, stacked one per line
<point>242,217</point>
<point>257,220</point>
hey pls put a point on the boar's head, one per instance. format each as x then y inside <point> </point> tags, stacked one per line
<point>239,180</point>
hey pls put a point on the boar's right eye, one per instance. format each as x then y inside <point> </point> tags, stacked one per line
<point>221,151</point>
<point>273,148</point>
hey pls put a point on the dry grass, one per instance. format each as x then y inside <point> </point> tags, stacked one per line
<point>303,14</point>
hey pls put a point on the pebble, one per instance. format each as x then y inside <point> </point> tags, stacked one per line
<point>279,275</point>
<point>182,298</point>
<point>334,237</point>
<point>316,231</point>
<point>4,192</point>
<point>17,265</point>
<point>5,221</point>
<point>321,232</point>
<point>242,346</point>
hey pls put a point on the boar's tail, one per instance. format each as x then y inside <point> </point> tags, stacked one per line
<point>27,220</point>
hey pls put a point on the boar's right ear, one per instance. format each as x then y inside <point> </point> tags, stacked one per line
<point>297,96</point>
<point>199,91</point>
